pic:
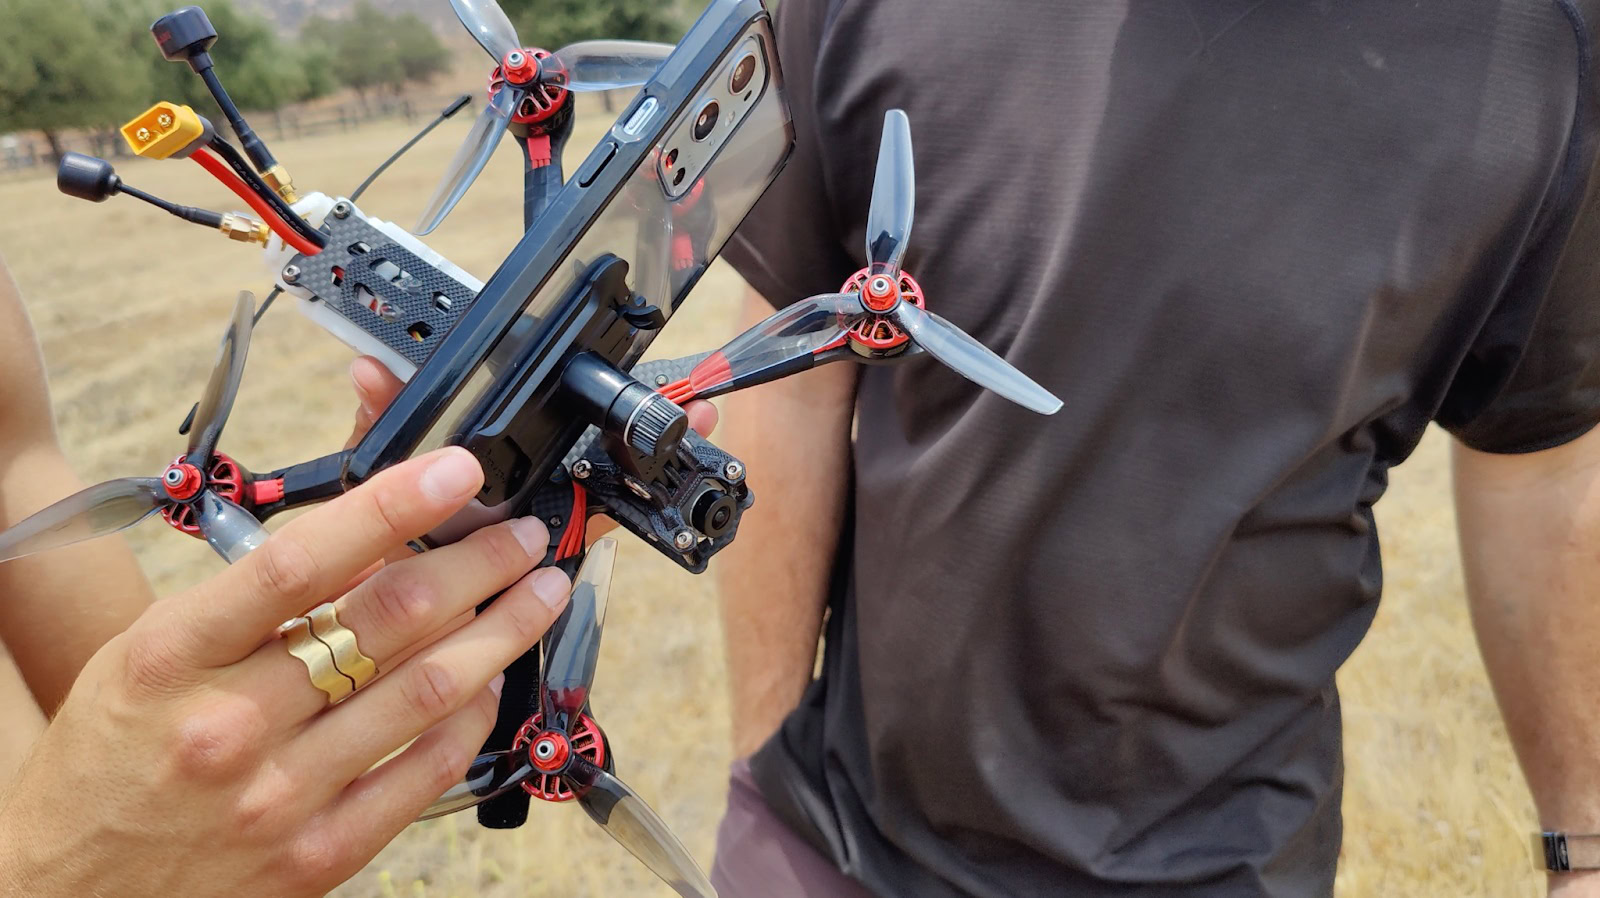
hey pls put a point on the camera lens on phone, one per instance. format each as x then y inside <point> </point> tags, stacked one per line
<point>706,122</point>
<point>743,72</point>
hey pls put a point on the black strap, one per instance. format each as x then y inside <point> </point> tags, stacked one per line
<point>519,700</point>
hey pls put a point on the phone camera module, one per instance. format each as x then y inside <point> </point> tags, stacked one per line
<point>706,122</point>
<point>743,72</point>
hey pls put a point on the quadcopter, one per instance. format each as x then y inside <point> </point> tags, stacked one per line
<point>630,457</point>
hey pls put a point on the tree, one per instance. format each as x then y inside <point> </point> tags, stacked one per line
<point>57,77</point>
<point>260,71</point>
<point>91,64</point>
<point>422,55</point>
<point>552,24</point>
<point>370,50</point>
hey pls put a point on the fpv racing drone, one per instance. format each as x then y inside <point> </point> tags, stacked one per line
<point>569,424</point>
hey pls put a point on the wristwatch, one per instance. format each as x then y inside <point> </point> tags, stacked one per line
<point>1564,853</point>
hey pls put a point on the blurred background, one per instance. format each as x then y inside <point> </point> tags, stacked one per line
<point>128,303</point>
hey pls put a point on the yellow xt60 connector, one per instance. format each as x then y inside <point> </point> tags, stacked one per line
<point>165,130</point>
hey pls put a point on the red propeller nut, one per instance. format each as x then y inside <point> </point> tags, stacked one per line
<point>519,67</point>
<point>549,752</point>
<point>880,293</point>
<point>183,481</point>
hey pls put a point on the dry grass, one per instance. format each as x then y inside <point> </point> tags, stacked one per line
<point>129,305</point>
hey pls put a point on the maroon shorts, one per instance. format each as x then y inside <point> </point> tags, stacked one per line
<point>759,855</point>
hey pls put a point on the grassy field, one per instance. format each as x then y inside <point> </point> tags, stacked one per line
<point>129,305</point>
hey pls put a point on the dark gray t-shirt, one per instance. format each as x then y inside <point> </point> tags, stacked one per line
<point>1256,248</point>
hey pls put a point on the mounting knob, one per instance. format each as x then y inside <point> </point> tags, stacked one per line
<point>87,178</point>
<point>655,425</point>
<point>185,35</point>
<point>642,419</point>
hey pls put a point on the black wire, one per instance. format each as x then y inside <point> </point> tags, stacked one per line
<point>265,305</point>
<point>188,213</point>
<point>230,155</point>
<point>454,107</point>
<point>253,145</point>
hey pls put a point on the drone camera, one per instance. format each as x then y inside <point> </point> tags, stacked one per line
<point>166,130</point>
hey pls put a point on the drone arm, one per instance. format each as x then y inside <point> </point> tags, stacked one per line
<point>306,483</point>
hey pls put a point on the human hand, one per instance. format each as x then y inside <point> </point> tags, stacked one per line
<point>1575,885</point>
<point>194,756</point>
<point>375,388</point>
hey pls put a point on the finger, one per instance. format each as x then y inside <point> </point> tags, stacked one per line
<point>431,686</point>
<point>375,388</point>
<point>599,526</point>
<point>314,555</point>
<point>371,811</point>
<point>363,424</point>
<point>375,385</point>
<point>398,607</point>
<point>702,416</point>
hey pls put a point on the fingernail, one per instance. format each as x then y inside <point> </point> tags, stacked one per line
<point>453,475</point>
<point>533,536</point>
<point>497,684</point>
<point>551,586</point>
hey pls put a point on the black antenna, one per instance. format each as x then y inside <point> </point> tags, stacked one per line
<point>92,179</point>
<point>455,106</point>
<point>186,35</point>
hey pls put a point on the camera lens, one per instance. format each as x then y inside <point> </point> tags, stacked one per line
<point>743,72</point>
<point>707,121</point>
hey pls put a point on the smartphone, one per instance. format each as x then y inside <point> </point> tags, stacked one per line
<point>663,191</point>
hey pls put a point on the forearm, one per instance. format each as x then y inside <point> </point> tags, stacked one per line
<point>61,606</point>
<point>794,437</point>
<point>1530,538</point>
<point>56,608</point>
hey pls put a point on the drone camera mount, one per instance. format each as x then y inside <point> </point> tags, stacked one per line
<point>643,425</point>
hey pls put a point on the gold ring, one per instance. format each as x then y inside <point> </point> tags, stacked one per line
<point>317,658</point>
<point>341,640</point>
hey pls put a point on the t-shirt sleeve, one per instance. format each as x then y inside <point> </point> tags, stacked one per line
<point>1531,380</point>
<point>791,246</point>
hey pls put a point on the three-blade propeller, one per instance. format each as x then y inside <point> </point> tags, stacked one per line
<point>583,66</point>
<point>116,505</point>
<point>571,652</point>
<point>807,333</point>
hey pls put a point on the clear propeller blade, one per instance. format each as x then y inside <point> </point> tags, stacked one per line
<point>608,65</point>
<point>894,196</point>
<point>471,158</point>
<point>230,530</point>
<point>800,329</point>
<point>626,817</point>
<point>100,510</point>
<point>489,25</point>
<point>784,344</point>
<point>972,360</point>
<point>574,645</point>
<point>211,415</point>
<point>490,775</point>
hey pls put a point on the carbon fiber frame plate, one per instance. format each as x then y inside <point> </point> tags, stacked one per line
<point>362,267</point>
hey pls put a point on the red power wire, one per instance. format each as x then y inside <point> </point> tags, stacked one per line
<point>572,541</point>
<point>231,180</point>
